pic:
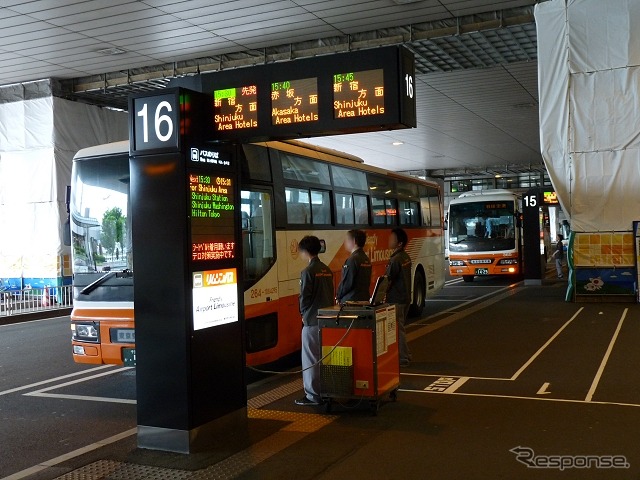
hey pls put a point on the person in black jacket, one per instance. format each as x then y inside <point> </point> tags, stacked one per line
<point>316,292</point>
<point>558,255</point>
<point>399,292</point>
<point>356,272</point>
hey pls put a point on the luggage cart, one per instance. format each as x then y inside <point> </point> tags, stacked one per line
<point>360,344</point>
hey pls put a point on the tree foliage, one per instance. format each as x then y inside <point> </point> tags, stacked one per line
<point>113,224</point>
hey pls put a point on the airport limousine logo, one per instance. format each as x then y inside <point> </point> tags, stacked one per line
<point>528,457</point>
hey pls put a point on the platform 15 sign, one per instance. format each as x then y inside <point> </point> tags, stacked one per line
<point>155,123</point>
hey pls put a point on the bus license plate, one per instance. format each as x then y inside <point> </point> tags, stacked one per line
<point>482,271</point>
<point>129,357</point>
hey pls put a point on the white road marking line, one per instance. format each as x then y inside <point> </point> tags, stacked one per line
<point>457,315</point>
<point>68,456</point>
<point>483,286</point>
<point>516,397</point>
<point>80,380</point>
<point>461,381</point>
<point>543,389</point>
<point>445,300</point>
<point>547,343</point>
<point>82,397</point>
<point>605,359</point>
<point>43,382</point>
<point>33,321</point>
<point>448,375</point>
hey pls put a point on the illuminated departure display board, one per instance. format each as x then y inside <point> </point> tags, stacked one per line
<point>212,217</point>
<point>294,101</point>
<point>358,94</point>
<point>236,108</point>
<point>362,91</point>
<point>550,198</point>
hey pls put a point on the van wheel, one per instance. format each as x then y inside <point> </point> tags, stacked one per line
<point>419,295</point>
<point>467,278</point>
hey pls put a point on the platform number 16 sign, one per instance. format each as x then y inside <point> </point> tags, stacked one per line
<point>155,121</point>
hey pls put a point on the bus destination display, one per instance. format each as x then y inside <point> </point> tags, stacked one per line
<point>212,217</point>
<point>294,101</point>
<point>362,91</point>
<point>236,108</point>
<point>358,94</point>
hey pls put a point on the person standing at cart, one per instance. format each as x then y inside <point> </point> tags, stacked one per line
<point>356,271</point>
<point>558,255</point>
<point>399,291</point>
<point>316,292</point>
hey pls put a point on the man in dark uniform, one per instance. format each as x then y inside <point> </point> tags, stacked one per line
<point>356,272</point>
<point>399,292</point>
<point>316,292</point>
<point>559,255</point>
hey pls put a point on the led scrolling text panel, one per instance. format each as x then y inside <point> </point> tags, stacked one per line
<point>212,217</point>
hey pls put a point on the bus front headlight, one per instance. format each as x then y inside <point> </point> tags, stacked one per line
<point>86,332</point>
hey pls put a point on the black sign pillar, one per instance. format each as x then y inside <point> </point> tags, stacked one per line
<point>532,257</point>
<point>187,275</point>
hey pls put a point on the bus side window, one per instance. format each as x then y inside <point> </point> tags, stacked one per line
<point>379,211</point>
<point>391,205</point>
<point>344,209</point>
<point>257,234</point>
<point>408,213</point>
<point>430,207</point>
<point>425,208</point>
<point>361,210</point>
<point>320,207</point>
<point>298,206</point>
<point>436,213</point>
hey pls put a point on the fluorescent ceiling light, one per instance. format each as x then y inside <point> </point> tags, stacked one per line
<point>397,142</point>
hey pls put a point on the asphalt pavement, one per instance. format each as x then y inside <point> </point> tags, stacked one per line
<point>501,373</point>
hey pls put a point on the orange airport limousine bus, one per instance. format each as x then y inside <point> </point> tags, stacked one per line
<point>484,234</point>
<point>289,190</point>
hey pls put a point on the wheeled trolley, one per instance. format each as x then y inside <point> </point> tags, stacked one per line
<point>360,351</point>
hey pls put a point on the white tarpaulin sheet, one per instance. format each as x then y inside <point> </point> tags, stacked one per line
<point>38,139</point>
<point>589,80</point>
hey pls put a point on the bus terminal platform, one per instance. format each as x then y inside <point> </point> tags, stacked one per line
<point>515,384</point>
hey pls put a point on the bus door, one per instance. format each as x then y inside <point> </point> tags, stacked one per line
<point>261,280</point>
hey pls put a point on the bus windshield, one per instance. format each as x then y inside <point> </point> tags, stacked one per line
<point>100,220</point>
<point>482,226</point>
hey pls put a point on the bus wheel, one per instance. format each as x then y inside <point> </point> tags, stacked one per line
<point>467,278</point>
<point>419,298</point>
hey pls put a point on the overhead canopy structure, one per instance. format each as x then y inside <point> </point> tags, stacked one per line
<point>476,60</point>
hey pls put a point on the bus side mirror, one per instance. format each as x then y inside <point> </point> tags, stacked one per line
<point>518,219</point>
<point>66,233</point>
<point>446,222</point>
<point>66,228</point>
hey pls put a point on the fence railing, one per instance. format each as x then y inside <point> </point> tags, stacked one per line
<point>31,300</point>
